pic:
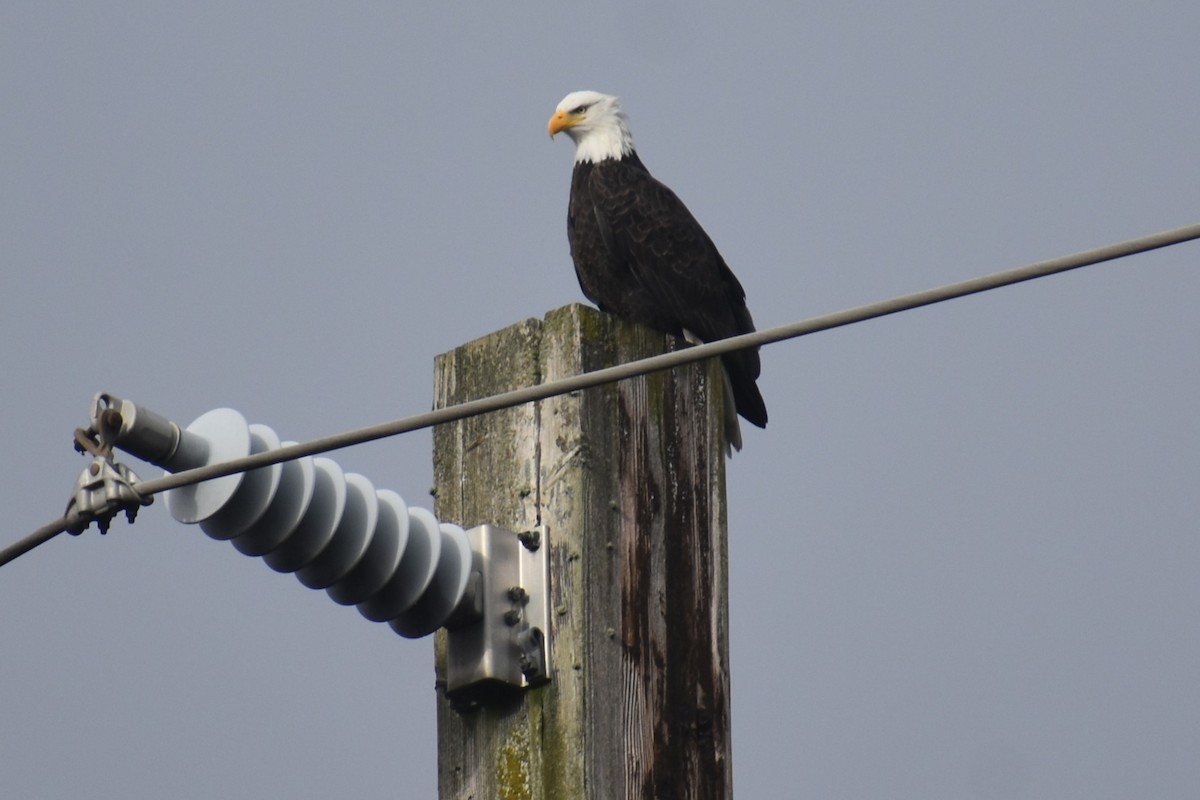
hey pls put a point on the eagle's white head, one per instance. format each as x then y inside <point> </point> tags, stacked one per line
<point>596,123</point>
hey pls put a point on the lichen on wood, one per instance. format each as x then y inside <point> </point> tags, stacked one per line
<point>629,478</point>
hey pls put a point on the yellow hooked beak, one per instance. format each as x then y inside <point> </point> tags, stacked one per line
<point>561,121</point>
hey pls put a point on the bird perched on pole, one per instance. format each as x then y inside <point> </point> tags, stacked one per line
<point>640,254</point>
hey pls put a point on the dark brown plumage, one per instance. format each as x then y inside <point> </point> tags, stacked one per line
<point>640,254</point>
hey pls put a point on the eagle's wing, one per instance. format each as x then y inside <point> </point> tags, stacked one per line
<point>651,232</point>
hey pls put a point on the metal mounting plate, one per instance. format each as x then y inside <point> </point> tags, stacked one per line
<point>500,639</point>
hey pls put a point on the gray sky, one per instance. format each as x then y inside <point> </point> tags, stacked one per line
<point>963,553</point>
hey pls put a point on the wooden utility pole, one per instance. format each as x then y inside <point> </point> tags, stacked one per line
<point>630,479</point>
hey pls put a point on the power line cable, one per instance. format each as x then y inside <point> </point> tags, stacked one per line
<point>632,369</point>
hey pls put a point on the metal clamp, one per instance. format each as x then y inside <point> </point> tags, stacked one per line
<point>498,641</point>
<point>105,487</point>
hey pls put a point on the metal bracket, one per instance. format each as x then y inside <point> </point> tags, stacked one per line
<point>103,489</point>
<point>499,640</point>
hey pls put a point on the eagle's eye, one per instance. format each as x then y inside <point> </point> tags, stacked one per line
<point>579,109</point>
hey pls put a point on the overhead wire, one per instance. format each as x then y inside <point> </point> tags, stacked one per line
<point>587,380</point>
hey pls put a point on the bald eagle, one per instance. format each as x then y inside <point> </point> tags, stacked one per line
<point>640,254</point>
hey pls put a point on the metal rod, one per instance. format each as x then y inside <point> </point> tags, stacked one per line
<point>668,360</point>
<point>38,537</point>
<point>589,380</point>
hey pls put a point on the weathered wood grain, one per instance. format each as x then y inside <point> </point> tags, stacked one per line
<point>630,480</point>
